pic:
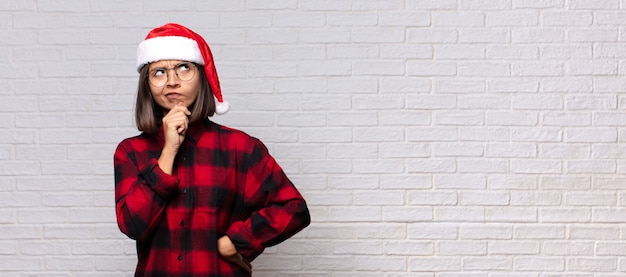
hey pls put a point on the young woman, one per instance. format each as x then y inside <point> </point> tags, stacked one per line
<point>200,199</point>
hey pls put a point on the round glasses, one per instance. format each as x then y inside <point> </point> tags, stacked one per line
<point>184,72</point>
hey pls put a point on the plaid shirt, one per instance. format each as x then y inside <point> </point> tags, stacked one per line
<point>224,182</point>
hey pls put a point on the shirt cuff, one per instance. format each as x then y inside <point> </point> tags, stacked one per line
<point>247,245</point>
<point>164,184</point>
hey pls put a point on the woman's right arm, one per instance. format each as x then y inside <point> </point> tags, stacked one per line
<point>143,188</point>
<point>142,191</point>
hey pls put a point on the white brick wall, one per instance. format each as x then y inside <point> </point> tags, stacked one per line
<point>431,138</point>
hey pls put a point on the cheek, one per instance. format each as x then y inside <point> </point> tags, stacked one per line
<point>195,90</point>
<point>155,90</point>
<point>156,93</point>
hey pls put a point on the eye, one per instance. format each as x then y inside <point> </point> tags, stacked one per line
<point>157,72</point>
<point>183,67</point>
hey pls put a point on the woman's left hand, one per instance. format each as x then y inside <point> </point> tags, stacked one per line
<point>228,251</point>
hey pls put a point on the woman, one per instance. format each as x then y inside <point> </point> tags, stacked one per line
<point>200,199</point>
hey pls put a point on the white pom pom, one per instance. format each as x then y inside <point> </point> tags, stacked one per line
<point>221,107</point>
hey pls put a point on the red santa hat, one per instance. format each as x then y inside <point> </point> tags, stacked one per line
<point>176,42</point>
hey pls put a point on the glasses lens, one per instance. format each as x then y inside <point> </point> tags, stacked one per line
<point>158,77</point>
<point>183,71</point>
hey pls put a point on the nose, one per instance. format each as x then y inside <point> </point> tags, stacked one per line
<point>172,80</point>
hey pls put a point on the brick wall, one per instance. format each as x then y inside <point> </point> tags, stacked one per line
<point>443,138</point>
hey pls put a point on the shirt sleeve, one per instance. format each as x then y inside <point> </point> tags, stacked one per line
<point>278,210</point>
<point>141,192</point>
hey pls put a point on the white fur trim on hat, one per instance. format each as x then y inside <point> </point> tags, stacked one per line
<point>168,48</point>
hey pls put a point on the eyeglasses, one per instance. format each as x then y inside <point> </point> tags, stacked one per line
<point>184,72</point>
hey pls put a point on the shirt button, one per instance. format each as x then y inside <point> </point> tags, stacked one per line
<point>180,257</point>
<point>182,222</point>
<point>184,190</point>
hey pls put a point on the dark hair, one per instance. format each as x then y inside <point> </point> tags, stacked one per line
<point>148,114</point>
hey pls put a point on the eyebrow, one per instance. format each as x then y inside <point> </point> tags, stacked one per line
<point>180,63</point>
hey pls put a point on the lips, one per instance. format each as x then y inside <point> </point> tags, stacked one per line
<point>173,96</point>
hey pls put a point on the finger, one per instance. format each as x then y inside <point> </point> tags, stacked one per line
<point>175,124</point>
<point>176,116</point>
<point>183,112</point>
<point>239,261</point>
<point>181,125</point>
<point>181,107</point>
<point>178,125</point>
<point>245,265</point>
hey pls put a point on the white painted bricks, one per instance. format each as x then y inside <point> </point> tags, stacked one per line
<point>430,138</point>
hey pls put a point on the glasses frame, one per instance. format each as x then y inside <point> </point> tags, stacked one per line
<point>151,72</point>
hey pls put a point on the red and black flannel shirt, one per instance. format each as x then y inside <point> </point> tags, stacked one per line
<point>224,182</point>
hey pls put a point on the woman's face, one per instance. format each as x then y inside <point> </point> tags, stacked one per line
<point>173,82</point>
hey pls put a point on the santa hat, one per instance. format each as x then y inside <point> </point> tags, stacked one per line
<point>176,42</point>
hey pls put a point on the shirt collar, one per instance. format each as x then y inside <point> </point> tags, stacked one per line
<point>195,130</point>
